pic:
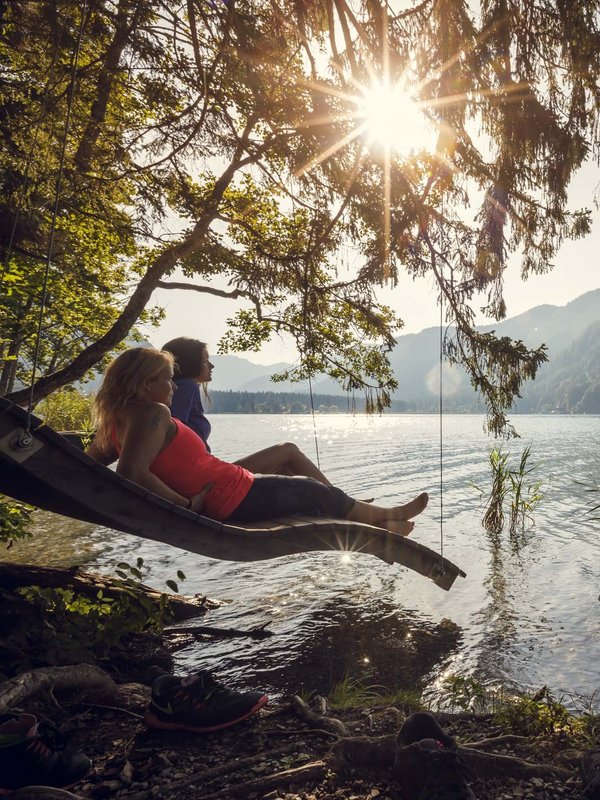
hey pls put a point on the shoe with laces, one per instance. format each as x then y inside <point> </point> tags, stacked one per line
<point>33,753</point>
<point>590,774</point>
<point>198,703</point>
<point>423,725</point>
<point>427,763</point>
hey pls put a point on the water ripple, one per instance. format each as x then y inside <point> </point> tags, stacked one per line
<point>527,614</point>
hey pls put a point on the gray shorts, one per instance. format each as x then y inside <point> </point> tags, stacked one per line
<point>272,496</point>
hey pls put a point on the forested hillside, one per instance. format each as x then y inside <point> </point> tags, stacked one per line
<point>287,403</point>
<point>569,382</point>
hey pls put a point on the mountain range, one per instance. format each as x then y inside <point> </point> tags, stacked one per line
<point>569,382</point>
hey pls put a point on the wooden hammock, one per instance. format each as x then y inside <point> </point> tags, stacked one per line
<point>44,469</point>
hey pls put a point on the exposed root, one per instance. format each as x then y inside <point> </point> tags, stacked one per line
<point>298,776</point>
<point>43,793</point>
<point>317,720</point>
<point>378,753</point>
<point>50,679</point>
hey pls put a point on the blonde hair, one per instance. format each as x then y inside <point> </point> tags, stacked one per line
<point>122,384</point>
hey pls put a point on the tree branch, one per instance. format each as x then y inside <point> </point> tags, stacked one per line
<point>163,263</point>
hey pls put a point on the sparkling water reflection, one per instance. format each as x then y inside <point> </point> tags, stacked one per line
<point>524,616</point>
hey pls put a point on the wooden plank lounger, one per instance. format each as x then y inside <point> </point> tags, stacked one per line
<point>42,468</point>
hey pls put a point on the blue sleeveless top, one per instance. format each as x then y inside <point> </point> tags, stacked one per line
<point>186,405</point>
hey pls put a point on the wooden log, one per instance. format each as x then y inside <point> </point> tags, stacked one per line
<point>28,684</point>
<point>13,576</point>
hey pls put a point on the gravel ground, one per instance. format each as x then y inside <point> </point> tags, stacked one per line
<point>278,755</point>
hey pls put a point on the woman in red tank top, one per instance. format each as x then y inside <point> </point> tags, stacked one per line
<point>163,455</point>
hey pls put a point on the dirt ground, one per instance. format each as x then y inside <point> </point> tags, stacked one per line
<point>288,750</point>
<point>276,754</point>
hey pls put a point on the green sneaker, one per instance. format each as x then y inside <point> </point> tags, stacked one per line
<point>198,703</point>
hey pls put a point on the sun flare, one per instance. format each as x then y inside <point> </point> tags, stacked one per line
<point>393,119</point>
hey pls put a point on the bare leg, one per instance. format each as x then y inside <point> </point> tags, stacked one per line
<point>282,459</point>
<point>394,519</point>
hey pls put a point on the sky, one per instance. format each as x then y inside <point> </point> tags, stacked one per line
<point>576,271</point>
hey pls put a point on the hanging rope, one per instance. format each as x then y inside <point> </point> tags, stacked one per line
<point>310,389</point>
<point>70,95</point>
<point>441,416</point>
<point>314,421</point>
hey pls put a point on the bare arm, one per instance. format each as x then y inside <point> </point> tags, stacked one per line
<point>143,439</point>
<point>107,456</point>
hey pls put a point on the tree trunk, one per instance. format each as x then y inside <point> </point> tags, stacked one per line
<point>140,298</point>
<point>12,576</point>
<point>9,369</point>
<point>123,29</point>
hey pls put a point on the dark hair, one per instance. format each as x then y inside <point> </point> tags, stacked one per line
<point>189,354</point>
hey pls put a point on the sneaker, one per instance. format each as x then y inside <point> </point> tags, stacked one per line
<point>198,703</point>
<point>430,768</point>
<point>590,773</point>
<point>33,753</point>
<point>423,725</point>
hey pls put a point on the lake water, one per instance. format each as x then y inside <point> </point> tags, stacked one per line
<point>524,617</point>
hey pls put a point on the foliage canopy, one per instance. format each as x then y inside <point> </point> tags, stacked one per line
<point>226,138</point>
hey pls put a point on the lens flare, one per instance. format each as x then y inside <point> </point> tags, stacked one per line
<point>394,120</point>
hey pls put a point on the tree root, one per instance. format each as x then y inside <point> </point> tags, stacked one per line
<point>497,741</point>
<point>210,775</point>
<point>15,690</point>
<point>317,720</point>
<point>43,793</point>
<point>490,765</point>
<point>379,753</point>
<point>315,771</point>
<point>259,632</point>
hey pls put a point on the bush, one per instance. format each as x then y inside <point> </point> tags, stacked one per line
<point>14,520</point>
<point>67,410</point>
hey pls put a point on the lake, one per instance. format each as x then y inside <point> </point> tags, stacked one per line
<point>526,615</point>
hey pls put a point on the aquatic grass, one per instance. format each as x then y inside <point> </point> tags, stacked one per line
<point>493,518</point>
<point>524,713</point>
<point>592,488</point>
<point>466,693</point>
<point>355,693</point>
<point>512,487</point>
<point>525,496</point>
<point>540,714</point>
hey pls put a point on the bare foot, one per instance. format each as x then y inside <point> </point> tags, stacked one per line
<point>413,508</point>
<point>401,526</point>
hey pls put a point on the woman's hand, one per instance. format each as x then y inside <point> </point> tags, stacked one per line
<point>197,503</point>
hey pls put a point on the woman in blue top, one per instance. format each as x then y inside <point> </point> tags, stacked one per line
<point>191,370</point>
<point>194,369</point>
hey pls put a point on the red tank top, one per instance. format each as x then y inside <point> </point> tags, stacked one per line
<point>186,467</point>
